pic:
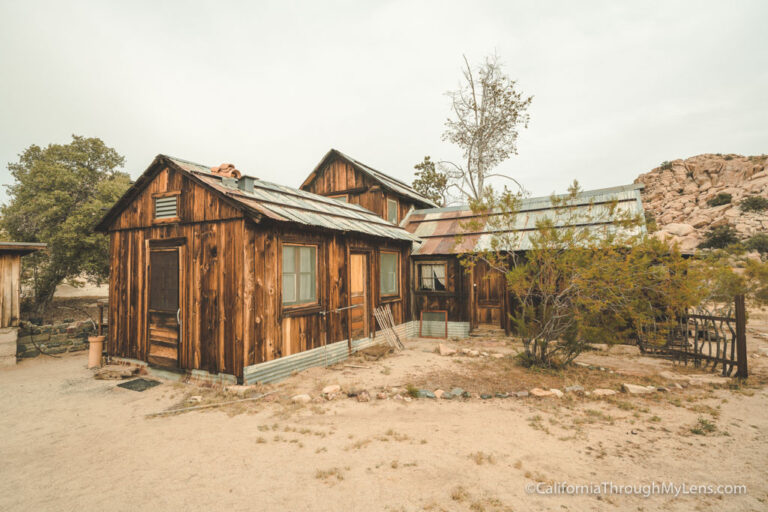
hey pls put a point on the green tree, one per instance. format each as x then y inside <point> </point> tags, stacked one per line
<point>431,182</point>
<point>581,282</point>
<point>60,193</point>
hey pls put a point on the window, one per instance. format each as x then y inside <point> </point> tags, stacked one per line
<point>431,276</point>
<point>343,198</point>
<point>165,207</point>
<point>389,270</point>
<point>392,211</point>
<point>299,274</point>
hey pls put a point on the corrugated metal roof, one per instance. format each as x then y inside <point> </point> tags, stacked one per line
<point>288,204</point>
<point>384,180</point>
<point>445,230</point>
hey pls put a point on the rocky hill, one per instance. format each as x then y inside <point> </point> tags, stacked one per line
<point>680,196</point>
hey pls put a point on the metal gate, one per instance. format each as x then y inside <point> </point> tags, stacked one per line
<point>706,338</point>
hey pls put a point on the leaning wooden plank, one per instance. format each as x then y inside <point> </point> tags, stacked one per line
<point>392,326</point>
<point>383,325</point>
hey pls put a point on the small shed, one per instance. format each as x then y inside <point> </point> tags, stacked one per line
<point>217,271</point>
<point>346,179</point>
<point>478,298</point>
<point>10,292</point>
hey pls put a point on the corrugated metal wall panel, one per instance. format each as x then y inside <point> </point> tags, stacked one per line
<point>280,369</point>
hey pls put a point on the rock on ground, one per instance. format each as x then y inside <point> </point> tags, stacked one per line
<point>634,389</point>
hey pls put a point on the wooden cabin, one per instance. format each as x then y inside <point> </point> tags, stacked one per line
<point>343,178</point>
<point>10,295</point>
<point>449,297</point>
<point>216,271</point>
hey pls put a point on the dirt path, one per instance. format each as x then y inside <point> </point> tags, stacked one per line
<point>68,442</point>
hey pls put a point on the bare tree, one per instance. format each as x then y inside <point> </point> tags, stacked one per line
<point>488,112</point>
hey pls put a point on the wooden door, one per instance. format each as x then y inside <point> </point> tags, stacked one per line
<point>164,314</point>
<point>358,295</point>
<point>489,295</point>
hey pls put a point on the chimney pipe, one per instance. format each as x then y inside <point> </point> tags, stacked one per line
<point>245,184</point>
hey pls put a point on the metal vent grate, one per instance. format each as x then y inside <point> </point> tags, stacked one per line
<point>434,324</point>
<point>165,207</point>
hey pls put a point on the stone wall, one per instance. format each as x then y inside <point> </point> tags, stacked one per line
<point>53,339</point>
<point>8,346</point>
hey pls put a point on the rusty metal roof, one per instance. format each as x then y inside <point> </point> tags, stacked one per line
<point>445,230</point>
<point>386,181</point>
<point>286,204</point>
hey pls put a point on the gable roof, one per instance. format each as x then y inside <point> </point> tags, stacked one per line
<point>438,228</point>
<point>270,201</point>
<point>386,181</point>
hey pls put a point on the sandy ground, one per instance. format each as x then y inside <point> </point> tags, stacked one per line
<point>69,442</point>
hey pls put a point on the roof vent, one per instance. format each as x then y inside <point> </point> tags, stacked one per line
<point>246,184</point>
<point>226,171</point>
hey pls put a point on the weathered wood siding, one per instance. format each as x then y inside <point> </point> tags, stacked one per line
<point>455,298</point>
<point>210,234</point>
<point>10,270</point>
<point>274,330</point>
<point>339,177</point>
<point>231,281</point>
<point>195,204</point>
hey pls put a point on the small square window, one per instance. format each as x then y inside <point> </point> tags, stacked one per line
<point>431,277</point>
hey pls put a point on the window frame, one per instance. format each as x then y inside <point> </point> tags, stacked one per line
<point>397,210</point>
<point>162,195</point>
<point>340,197</point>
<point>295,246</point>
<point>417,282</point>
<point>421,324</point>
<point>396,293</point>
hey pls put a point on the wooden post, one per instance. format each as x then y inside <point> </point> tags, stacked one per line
<point>101,318</point>
<point>741,337</point>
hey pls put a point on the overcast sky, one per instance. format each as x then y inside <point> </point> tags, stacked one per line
<point>271,86</point>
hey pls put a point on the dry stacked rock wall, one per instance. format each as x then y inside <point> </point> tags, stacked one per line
<point>677,193</point>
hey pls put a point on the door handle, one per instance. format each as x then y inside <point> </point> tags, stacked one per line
<point>178,316</point>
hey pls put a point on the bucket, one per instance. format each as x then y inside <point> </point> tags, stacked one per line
<point>95,348</point>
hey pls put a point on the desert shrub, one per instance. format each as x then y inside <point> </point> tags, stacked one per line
<point>720,199</point>
<point>650,221</point>
<point>754,204</point>
<point>577,286</point>
<point>758,243</point>
<point>719,237</point>
<point>665,165</point>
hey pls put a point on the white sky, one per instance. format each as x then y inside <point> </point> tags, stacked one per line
<point>271,86</point>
